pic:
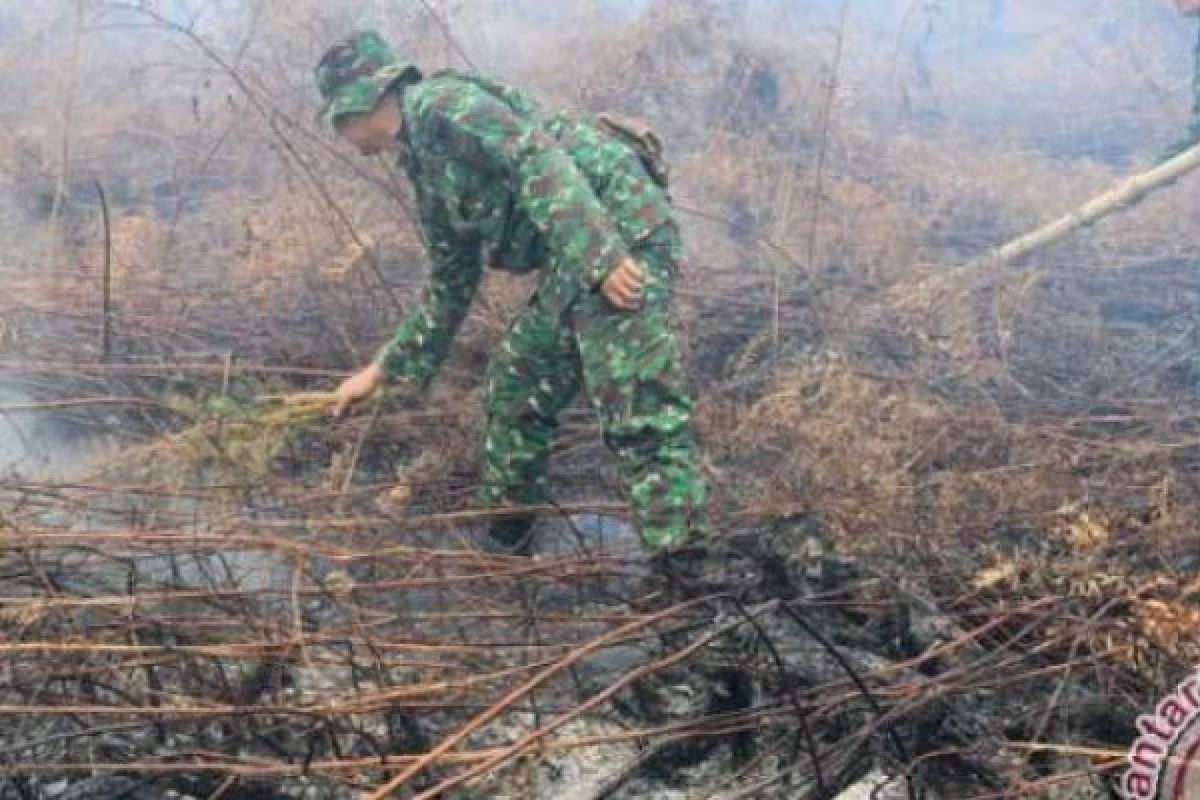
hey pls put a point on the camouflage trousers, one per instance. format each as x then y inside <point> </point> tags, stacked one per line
<point>630,365</point>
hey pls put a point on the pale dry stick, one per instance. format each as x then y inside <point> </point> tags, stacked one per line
<point>336,524</point>
<point>106,307</point>
<point>82,402</point>
<point>1124,195</point>
<point>452,44</point>
<point>250,767</point>
<point>814,215</point>
<point>904,28</point>
<point>71,80</point>
<point>57,368</point>
<point>298,637</point>
<point>356,454</point>
<point>235,768</point>
<point>186,707</point>
<point>223,788</point>
<point>21,605</point>
<point>776,266</point>
<point>218,144</point>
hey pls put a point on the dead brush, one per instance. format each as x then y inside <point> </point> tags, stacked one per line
<point>1002,446</point>
<point>225,438</point>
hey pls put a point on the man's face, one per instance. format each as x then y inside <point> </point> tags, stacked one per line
<point>372,132</point>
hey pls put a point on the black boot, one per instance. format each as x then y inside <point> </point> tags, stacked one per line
<point>704,568</point>
<point>683,570</point>
<point>510,536</point>
<point>716,682</point>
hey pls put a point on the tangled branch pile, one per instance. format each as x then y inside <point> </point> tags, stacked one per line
<point>989,482</point>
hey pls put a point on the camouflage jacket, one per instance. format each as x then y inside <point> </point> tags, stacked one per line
<point>496,180</point>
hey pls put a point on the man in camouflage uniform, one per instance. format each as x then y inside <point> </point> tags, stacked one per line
<point>498,180</point>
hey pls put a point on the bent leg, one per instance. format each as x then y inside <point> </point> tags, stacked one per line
<point>633,370</point>
<point>532,376</point>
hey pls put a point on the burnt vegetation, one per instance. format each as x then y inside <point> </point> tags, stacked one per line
<point>986,482</point>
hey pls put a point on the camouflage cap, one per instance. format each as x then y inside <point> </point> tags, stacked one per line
<point>354,73</point>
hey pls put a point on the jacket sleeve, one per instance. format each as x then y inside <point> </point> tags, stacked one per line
<point>422,341</point>
<point>583,242</point>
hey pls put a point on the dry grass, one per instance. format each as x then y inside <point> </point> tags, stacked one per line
<point>1017,440</point>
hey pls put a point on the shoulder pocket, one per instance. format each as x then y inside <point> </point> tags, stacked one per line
<point>642,138</point>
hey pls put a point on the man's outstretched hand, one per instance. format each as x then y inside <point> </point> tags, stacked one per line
<point>624,285</point>
<point>357,387</point>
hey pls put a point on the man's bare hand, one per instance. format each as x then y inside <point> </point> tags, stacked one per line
<point>357,387</point>
<point>624,286</point>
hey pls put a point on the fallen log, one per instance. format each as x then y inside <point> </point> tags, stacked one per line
<point>1125,194</point>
